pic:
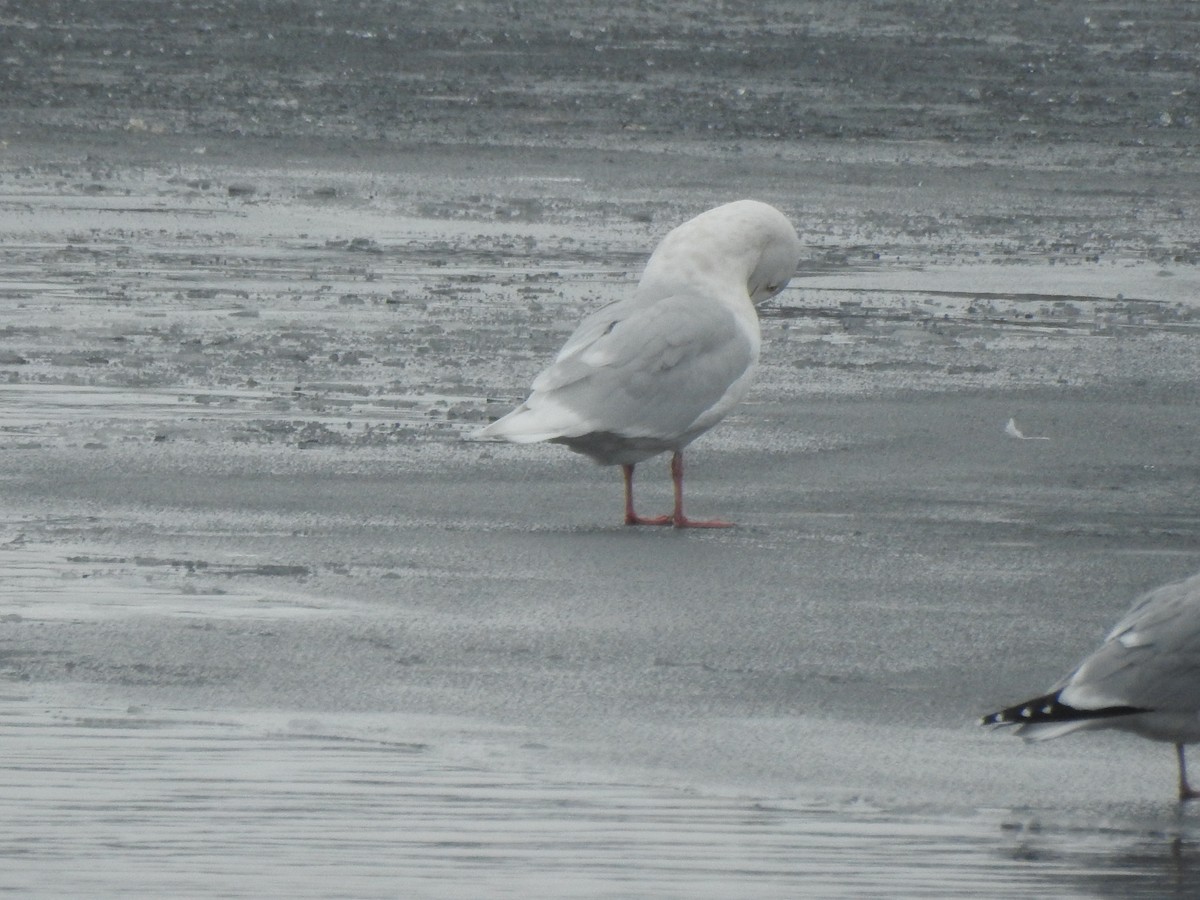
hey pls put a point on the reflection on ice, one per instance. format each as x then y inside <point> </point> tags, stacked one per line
<point>57,582</point>
<point>101,801</point>
<point>323,413</point>
<point>1007,282</point>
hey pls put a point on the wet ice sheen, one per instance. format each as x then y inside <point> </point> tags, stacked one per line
<point>143,803</point>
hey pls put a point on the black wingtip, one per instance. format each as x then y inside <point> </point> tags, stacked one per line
<point>1040,709</point>
<point>1049,708</point>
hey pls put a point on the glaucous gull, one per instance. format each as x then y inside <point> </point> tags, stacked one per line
<point>652,372</point>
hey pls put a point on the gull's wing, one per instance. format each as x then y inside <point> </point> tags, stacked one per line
<point>634,369</point>
<point>1150,660</point>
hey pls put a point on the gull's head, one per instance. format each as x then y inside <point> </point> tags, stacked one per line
<point>745,245</point>
<point>777,261</point>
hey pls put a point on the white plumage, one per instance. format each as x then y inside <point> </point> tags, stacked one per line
<point>650,373</point>
<point>1144,678</point>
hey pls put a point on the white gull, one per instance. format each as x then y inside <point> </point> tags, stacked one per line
<point>1143,679</point>
<point>651,373</point>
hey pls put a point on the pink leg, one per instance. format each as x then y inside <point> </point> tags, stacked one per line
<point>632,518</point>
<point>1185,790</point>
<point>680,520</point>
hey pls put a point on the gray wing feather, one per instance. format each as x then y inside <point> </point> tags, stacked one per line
<point>652,372</point>
<point>1151,659</point>
<point>596,324</point>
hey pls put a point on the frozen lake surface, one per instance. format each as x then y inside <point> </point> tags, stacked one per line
<point>269,626</point>
<point>119,802</point>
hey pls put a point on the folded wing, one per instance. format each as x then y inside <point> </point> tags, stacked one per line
<point>640,371</point>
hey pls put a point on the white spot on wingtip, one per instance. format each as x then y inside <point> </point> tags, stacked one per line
<point>1026,713</point>
<point>1132,639</point>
